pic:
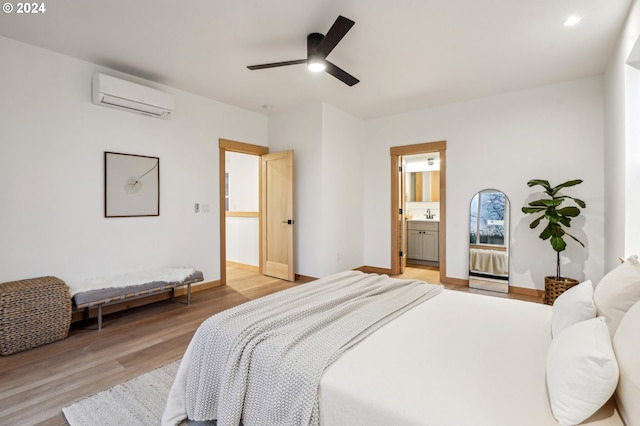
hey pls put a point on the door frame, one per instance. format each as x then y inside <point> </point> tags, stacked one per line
<point>225,145</point>
<point>422,148</point>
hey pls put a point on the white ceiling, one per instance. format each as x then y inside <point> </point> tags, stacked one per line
<point>408,54</point>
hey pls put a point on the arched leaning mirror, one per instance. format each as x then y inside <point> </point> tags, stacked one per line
<point>489,241</point>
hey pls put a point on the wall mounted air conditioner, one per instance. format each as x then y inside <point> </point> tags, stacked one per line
<point>121,94</point>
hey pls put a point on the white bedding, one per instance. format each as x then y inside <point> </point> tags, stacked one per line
<point>262,361</point>
<point>457,359</point>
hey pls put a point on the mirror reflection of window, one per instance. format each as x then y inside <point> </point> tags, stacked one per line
<point>487,219</point>
<point>489,241</point>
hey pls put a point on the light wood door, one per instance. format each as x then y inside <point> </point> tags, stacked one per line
<point>277,215</point>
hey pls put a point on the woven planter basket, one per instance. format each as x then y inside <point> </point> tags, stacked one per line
<point>554,288</point>
<point>33,312</point>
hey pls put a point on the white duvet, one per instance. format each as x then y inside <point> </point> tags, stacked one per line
<point>457,359</point>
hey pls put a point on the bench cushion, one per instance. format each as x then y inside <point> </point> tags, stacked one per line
<point>104,290</point>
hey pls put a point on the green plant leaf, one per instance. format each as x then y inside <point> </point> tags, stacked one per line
<point>546,202</point>
<point>546,232</point>
<point>541,182</point>
<point>569,211</point>
<point>565,221</point>
<point>557,231</point>
<point>552,216</point>
<point>558,244</point>
<point>532,209</point>
<point>579,202</point>
<point>566,184</point>
<point>536,222</point>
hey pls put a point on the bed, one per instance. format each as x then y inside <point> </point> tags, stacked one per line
<point>456,358</point>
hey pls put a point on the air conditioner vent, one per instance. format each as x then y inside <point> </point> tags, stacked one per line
<point>121,94</point>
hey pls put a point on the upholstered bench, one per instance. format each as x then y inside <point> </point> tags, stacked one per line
<point>33,312</point>
<point>104,291</point>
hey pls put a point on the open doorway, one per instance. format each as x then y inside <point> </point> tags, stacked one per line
<point>418,203</point>
<point>421,205</point>
<point>272,215</point>
<point>241,215</point>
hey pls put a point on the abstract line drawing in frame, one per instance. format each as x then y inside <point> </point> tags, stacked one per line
<point>131,185</point>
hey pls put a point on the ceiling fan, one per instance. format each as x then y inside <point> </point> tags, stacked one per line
<point>318,48</point>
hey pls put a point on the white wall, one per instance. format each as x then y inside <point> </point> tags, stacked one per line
<point>301,130</point>
<point>632,160</point>
<point>553,132</point>
<point>244,191</point>
<point>53,139</point>
<point>51,167</point>
<point>242,240</point>
<point>342,201</point>
<point>328,186</point>
<point>621,111</point>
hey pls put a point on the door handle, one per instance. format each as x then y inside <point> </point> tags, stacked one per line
<point>288,222</point>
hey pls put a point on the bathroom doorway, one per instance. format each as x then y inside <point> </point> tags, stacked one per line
<point>418,206</point>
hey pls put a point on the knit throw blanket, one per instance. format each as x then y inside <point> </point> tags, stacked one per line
<point>261,362</point>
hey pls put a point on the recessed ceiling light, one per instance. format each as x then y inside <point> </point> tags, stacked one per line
<point>571,21</point>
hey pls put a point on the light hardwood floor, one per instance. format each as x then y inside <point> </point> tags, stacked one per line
<point>36,384</point>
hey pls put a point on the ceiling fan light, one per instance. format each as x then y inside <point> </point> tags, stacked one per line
<point>316,65</point>
<point>571,21</point>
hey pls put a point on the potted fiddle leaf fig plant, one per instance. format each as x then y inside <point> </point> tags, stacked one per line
<point>557,217</point>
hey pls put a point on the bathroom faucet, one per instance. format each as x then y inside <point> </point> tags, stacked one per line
<point>428,215</point>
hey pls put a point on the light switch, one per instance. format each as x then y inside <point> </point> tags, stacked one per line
<point>196,208</point>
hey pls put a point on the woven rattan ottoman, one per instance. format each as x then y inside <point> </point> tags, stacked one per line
<point>33,312</point>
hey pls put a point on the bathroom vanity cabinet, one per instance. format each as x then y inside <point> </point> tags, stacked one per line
<point>422,240</point>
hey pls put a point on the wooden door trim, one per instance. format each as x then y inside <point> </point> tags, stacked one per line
<point>397,152</point>
<point>225,145</point>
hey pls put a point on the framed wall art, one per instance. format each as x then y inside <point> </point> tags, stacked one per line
<point>131,185</point>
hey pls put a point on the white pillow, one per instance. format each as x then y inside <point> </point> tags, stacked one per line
<point>572,306</point>
<point>582,372</point>
<point>626,345</point>
<point>617,292</point>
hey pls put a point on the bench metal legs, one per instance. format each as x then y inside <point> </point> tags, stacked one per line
<point>173,294</point>
<point>99,317</point>
<point>99,305</point>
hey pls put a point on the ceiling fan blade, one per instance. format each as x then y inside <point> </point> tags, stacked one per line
<point>337,31</point>
<point>277,64</point>
<point>340,74</point>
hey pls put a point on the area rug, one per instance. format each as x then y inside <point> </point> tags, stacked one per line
<point>139,401</point>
